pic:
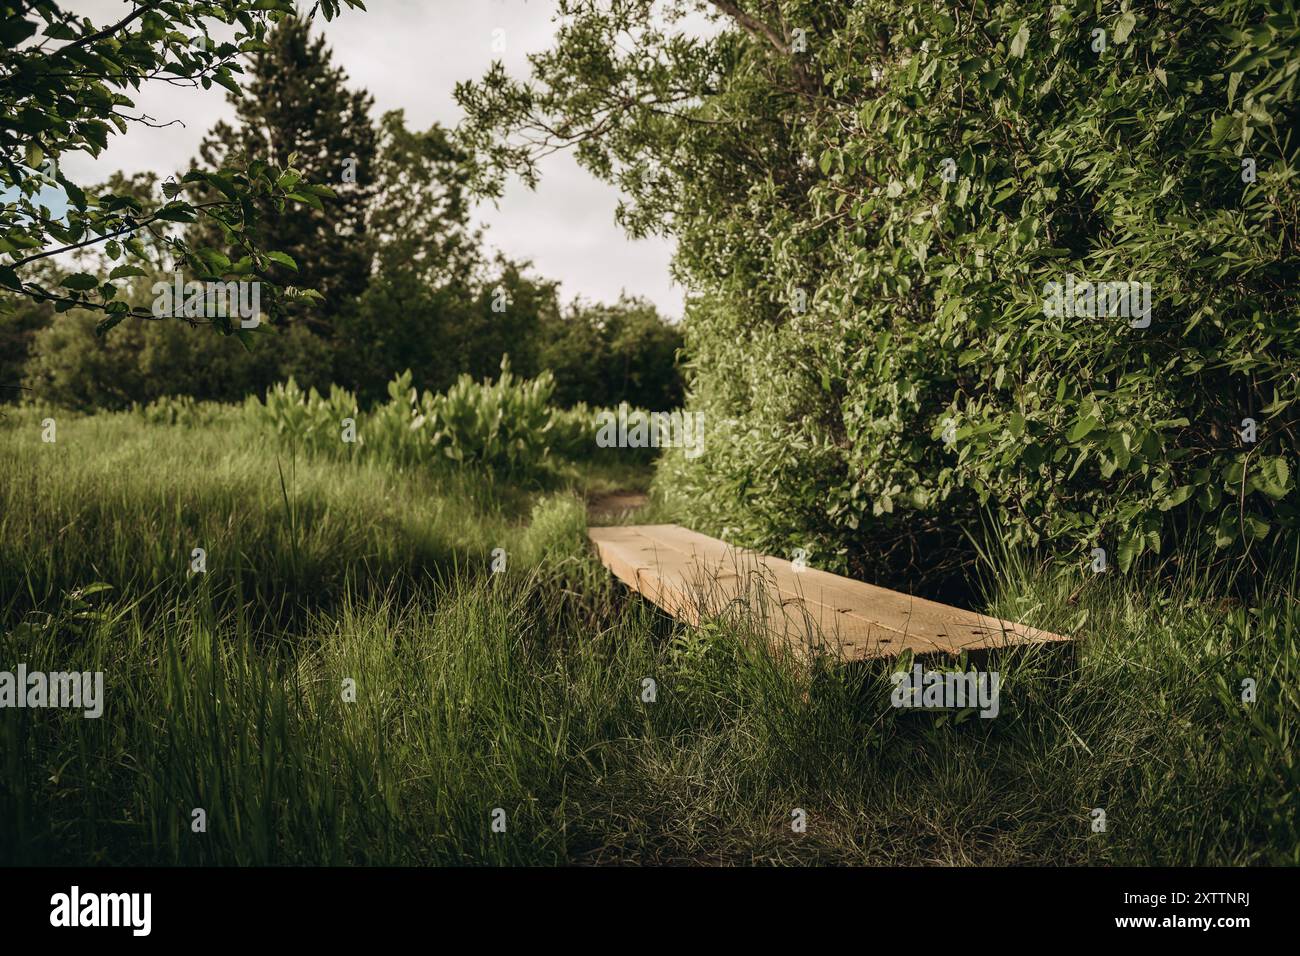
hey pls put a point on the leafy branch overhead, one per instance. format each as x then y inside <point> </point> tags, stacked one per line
<point>66,87</point>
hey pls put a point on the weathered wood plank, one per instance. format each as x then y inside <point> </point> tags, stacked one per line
<point>693,577</point>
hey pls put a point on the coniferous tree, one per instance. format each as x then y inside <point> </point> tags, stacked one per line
<point>297,102</point>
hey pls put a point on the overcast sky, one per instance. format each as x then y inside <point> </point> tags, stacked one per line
<point>409,54</point>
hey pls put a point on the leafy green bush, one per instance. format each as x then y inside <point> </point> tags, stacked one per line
<point>179,410</point>
<point>879,361</point>
<point>507,425</point>
<point>606,354</point>
<point>504,424</point>
<point>137,362</point>
<point>574,433</point>
<point>308,420</point>
<point>392,431</point>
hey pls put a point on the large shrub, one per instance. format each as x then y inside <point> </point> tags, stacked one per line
<point>504,424</point>
<point>606,354</point>
<point>871,201</point>
<point>307,419</point>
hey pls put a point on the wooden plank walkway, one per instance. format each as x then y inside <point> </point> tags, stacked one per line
<point>694,577</point>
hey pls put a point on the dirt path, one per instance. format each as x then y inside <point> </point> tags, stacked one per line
<point>612,505</point>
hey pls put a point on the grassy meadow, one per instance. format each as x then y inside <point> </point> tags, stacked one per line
<point>522,691</point>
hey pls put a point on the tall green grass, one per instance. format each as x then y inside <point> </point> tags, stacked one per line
<point>524,691</point>
<point>114,501</point>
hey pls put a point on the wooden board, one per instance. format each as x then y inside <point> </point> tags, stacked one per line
<point>694,577</point>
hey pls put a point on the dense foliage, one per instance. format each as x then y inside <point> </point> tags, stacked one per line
<point>372,223</point>
<point>872,201</point>
<point>508,425</point>
<point>604,354</point>
<point>66,87</point>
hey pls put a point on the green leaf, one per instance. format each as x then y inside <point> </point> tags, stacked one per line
<point>14,31</point>
<point>1273,477</point>
<point>307,199</point>
<point>1256,528</point>
<point>1124,26</point>
<point>214,262</point>
<point>1221,128</point>
<point>1129,549</point>
<point>74,192</point>
<point>1082,428</point>
<point>1021,40</point>
<point>176,212</point>
<point>225,79</point>
<point>1209,498</point>
<point>109,322</point>
<point>80,281</point>
<point>1226,532</point>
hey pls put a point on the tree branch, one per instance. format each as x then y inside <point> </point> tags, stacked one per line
<point>108,31</point>
<point>765,33</point>
<point>755,28</point>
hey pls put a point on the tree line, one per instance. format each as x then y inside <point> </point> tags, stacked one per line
<point>397,273</point>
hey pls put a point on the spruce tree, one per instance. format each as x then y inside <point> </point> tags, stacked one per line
<point>297,102</point>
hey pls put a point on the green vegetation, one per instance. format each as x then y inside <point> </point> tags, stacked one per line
<point>67,88</point>
<point>523,690</point>
<point>508,426</point>
<point>371,651</point>
<point>360,241</point>
<point>871,201</point>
